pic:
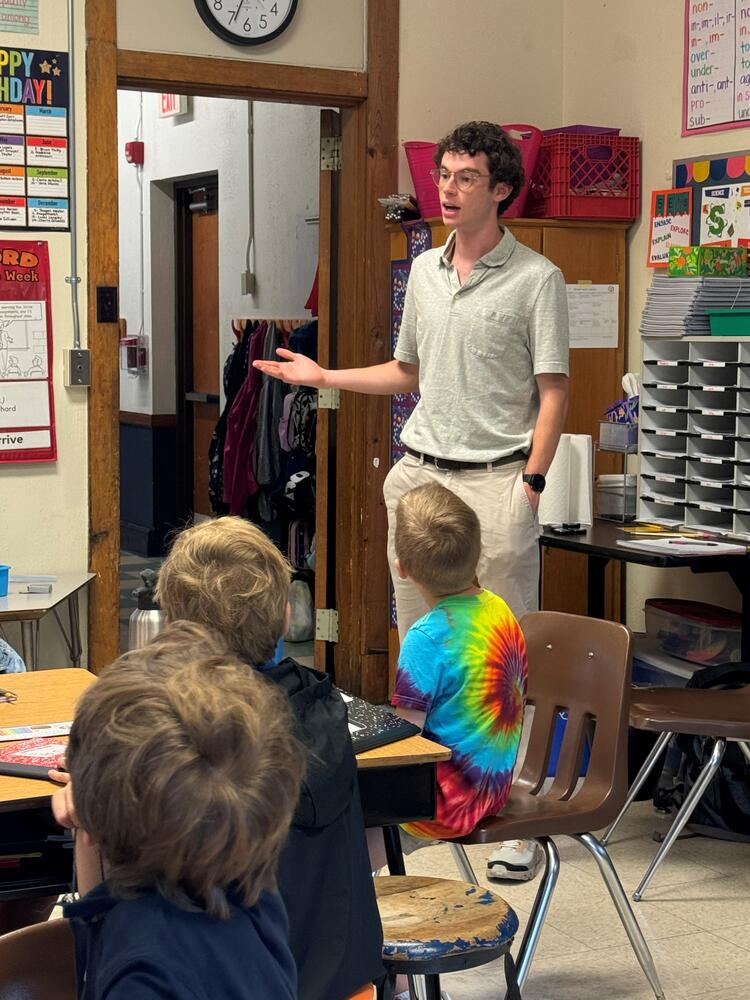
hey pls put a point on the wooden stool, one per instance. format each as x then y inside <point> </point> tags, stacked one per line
<point>437,925</point>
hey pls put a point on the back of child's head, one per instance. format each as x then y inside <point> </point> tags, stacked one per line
<point>185,771</point>
<point>227,575</point>
<point>438,539</point>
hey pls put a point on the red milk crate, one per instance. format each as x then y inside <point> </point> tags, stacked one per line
<point>586,177</point>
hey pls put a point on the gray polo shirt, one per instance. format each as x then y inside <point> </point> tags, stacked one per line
<point>479,346</point>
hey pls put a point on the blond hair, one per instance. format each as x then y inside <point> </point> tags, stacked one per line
<point>185,771</point>
<point>226,574</point>
<point>438,539</point>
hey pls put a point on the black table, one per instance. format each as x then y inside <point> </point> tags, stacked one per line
<point>599,545</point>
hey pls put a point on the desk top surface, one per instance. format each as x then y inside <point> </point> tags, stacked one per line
<point>601,540</point>
<point>43,696</point>
<point>51,695</point>
<point>18,606</point>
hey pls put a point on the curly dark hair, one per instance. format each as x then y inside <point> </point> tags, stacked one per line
<point>503,155</point>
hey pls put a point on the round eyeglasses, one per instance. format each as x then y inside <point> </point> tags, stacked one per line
<point>464,179</point>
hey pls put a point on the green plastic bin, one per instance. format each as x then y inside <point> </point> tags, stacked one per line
<point>729,322</point>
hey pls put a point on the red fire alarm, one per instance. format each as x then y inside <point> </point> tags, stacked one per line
<point>134,152</point>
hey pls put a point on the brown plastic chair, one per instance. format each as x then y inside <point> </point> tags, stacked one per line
<point>721,716</point>
<point>581,665</point>
<point>38,963</point>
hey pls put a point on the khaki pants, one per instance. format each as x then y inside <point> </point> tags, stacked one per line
<point>509,562</point>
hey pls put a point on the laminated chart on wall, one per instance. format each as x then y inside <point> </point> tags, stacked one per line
<point>33,139</point>
<point>593,312</point>
<point>27,411</point>
<point>716,71</point>
<point>20,15</point>
<point>725,216</point>
<point>669,224</point>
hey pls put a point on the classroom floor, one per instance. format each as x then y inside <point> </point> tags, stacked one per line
<point>694,916</point>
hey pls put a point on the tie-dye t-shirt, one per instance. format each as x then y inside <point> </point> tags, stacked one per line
<point>464,664</point>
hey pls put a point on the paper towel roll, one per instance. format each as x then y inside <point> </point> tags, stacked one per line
<point>567,497</point>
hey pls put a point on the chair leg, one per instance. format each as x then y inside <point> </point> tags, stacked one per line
<point>644,772</point>
<point>539,909</point>
<point>462,863</point>
<point>686,810</point>
<point>624,910</point>
<point>744,750</point>
<point>432,985</point>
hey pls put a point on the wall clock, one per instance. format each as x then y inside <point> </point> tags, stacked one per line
<point>247,22</point>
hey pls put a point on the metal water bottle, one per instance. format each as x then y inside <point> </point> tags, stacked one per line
<point>148,619</point>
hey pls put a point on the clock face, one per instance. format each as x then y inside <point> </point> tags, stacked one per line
<point>247,22</point>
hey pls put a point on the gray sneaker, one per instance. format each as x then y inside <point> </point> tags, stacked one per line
<point>515,860</point>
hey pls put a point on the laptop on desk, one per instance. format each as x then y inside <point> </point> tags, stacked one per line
<point>372,726</point>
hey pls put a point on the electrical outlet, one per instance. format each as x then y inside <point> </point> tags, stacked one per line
<point>77,368</point>
<point>107,306</point>
<point>247,281</point>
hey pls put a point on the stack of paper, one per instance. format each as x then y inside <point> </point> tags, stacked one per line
<point>678,307</point>
<point>683,547</point>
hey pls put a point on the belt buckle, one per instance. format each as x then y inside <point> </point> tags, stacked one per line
<point>439,467</point>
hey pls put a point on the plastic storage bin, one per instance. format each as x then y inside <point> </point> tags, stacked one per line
<point>617,496</point>
<point>581,130</point>
<point>617,437</point>
<point>586,177</point>
<point>729,322</point>
<point>420,156</point>
<point>694,631</point>
<point>528,138</point>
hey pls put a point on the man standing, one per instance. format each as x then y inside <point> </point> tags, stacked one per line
<point>484,339</point>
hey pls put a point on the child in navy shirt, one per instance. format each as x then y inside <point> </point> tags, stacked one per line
<point>184,779</point>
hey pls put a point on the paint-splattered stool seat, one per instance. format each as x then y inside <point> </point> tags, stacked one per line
<point>435,925</point>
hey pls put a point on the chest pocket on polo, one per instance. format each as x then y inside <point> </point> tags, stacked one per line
<point>494,335</point>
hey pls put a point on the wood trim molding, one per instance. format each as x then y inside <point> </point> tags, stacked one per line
<point>370,138</point>
<point>153,420</point>
<point>102,263</point>
<point>206,76</point>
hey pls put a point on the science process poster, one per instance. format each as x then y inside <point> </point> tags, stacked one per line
<point>725,216</point>
<point>669,225</point>
<point>33,139</point>
<point>27,410</point>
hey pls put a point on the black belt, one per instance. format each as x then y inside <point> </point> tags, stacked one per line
<point>448,465</point>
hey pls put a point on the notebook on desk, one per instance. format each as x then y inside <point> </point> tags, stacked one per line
<point>371,726</point>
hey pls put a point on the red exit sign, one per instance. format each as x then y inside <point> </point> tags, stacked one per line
<point>172,105</point>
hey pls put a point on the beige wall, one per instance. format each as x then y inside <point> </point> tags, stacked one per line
<point>622,65</point>
<point>499,60</point>
<point>329,33</point>
<point>44,507</point>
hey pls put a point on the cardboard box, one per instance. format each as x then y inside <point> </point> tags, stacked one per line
<point>716,262</point>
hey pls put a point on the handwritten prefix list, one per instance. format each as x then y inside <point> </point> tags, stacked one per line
<point>717,64</point>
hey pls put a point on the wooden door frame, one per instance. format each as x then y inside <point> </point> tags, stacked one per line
<point>369,105</point>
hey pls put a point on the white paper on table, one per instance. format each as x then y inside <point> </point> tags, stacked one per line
<point>568,495</point>
<point>593,312</point>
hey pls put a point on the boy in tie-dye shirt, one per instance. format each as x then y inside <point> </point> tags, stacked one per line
<point>461,672</point>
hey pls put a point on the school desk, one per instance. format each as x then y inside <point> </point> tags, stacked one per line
<point>599,544</point>
<point>43,696</point>
<point>29,609</point>
<point>398,784</point>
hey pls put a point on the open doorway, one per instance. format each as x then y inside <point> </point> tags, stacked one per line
<point>219,232</point>
<point>369,146</point>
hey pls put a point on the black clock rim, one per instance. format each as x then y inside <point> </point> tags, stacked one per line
<point>218,29</point>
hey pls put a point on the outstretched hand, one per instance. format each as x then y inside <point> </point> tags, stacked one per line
<point>295,369</point>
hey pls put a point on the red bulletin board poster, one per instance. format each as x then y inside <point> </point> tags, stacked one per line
<point>27,408</point>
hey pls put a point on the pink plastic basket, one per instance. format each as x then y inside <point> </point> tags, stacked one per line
<point>528,138</point>
<point>420,158</point>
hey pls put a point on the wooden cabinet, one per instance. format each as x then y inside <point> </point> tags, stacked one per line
<point>591,252</point>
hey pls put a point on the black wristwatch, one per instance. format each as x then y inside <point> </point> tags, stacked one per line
<point>536,481</point>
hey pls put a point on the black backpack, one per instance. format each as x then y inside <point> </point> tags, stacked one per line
<point>724,808</point>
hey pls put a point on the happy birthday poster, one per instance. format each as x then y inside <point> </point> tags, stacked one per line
<point>33,139</point>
